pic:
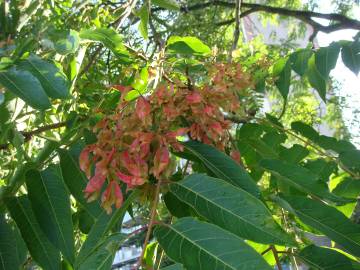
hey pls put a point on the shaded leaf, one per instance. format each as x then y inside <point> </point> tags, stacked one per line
<point>326,259</point>
<point>350,54</point>
<point>322,168</point>
<point>51,205</point>
<point>301,179</point>
<point>9,257</point>
<point>176,207</point>
<point>299,60</point>
<point>294,154</point>
<point>348,188</point>
<point>27,87</point>
<point>327,220</point>
<point>200,245</point>
<point>167,4</point>
<point>52,79</point>
<point>283,81</point>
<point>41,250</point>
<point>231,208</point>
<point>325,59</point>
<point>223,166</point>
<point>76,181</point>
<point>351,160</point>
<point>315,78</point>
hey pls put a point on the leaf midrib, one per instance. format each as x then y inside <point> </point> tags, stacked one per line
<point>226,210</point>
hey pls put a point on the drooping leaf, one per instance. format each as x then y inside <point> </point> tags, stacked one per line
<point>327,220</point>
<point>200,245</point>
<point>326,259</point>
<point>350,54</point>
<point>187,45</point>
<point>107,36</point>
<point>167,4</point>
<point>26,86</point>
<point>322,168</point>
<point>67,42</point>
<point>231,208</point>
<point>294,154</point>
<point>325,59</point>
<point>351,160</point>
<point>315,78</point>
<point>102,256</point>
<point>175,266</point>
<point>283,81</point>
<point>223,166</point>
<point>101,228</point>
<point>51,205</point>
<point>348,188</point>
<point>76,181</point>
<point>299,60</point>
<point>143,14</point>
<point>301,178</point>
<point>52,79</point>
<point>175,206</point>
<point>41,250</point>
<point>9,257</point>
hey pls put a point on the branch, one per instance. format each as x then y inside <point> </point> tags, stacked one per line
<point>151,223</point>
<point>236,30</point>
<point>275,252</point>
<point>28,134</point>
<point>342,22</point>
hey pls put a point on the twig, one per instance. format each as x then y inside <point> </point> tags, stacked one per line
<point>236,30</point>
<point>275,252</point>
<point>266,251</point>
<point>28,134</point>
<point>151,223</point>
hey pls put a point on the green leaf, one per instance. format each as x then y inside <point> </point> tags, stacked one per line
<point>305,130</point>
<point>67,42</point>
<point>223,166</point>
<point>315,78</point>
<point>351,160</point>
<point>27,87</point>
<point>325,59</point>
<point>350,54</point>
<point>167,4</point>
<point>51,205</point>
<point>102,256</point>
<point>150,254</point>
<point>322,168</point>
<point>109,37</point>
<point>76,181</point>
<point>294,154</point>
<point>176,207</point>
<point>284,76</point>
<point>143,13</point>
<point>176,266</point>
<point>52,79</point>
<point>327,220</point>
<point>231,208</point>
<point>102,227</point>
<point>326,259</point>
<point>301,178</point>
<point>348,188</point>
<point>187,45</point>
<point>41,250</point>
<point>299,60</point>
<point>9,257</point>
<point>200,245</point>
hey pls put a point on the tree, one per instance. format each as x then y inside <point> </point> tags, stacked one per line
<point>154,108</point>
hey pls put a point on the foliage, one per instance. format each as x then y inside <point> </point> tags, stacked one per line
<point>163,121</point>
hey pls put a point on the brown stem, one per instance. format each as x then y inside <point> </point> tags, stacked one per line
<point>275,252</point>
<point>266,251</point>
<point>151,223</point>
<point>28,134</point>
<point>340,21</point>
